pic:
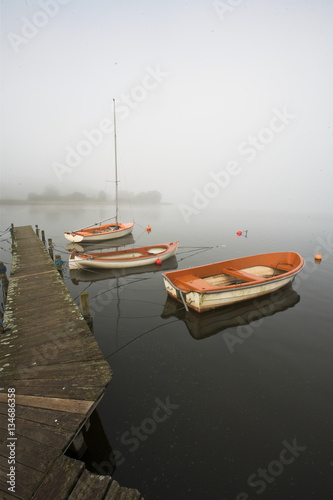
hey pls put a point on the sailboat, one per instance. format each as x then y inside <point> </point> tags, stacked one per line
<point>100,232</point>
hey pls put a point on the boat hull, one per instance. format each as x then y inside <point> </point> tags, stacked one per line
<point>135,257</point>
<point>200,288</point>
<point>97,234</point>
<point>211,300</point>
<point>89,275</point>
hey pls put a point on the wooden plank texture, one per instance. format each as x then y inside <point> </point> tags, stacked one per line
<point>68,405</point>
<point>90,487</point>
<point>28,452</point>
<point>50,357</point>
<point>116,492</point>
<point>61,480</point>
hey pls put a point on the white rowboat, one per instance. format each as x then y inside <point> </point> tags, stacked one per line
<point>144,256</point>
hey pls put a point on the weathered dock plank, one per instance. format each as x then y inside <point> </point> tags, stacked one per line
<point>90,487</point>
<point>116,492</point>
<point>28,453</point>
<point>61,479</point>
<point>50,358</point>
<point>29,479</point>
<point>48,417</point>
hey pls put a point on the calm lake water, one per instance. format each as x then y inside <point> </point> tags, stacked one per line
<point>235,404</point>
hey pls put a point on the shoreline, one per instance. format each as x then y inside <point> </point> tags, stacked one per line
<point>69,202</point>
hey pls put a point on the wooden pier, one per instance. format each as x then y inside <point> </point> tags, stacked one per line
<point>50,361</point>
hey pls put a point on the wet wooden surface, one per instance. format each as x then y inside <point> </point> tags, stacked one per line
<point>50,357</point>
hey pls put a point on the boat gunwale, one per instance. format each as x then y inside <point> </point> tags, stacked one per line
<point>243,286</point>
<point>90,231</point>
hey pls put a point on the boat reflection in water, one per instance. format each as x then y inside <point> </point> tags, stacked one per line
<point>89,247</point>
<point>85,275</point>
<point>202,325</point>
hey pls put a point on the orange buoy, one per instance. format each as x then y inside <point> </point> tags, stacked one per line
<point>318,258</point>
<point>158,262</point>
<point>148,229</point>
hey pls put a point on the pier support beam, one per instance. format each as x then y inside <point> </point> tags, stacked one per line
<point>78,445</point>
<point>50,244</point>
<point>85,309</point>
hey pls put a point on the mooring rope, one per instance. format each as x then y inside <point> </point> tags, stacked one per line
<point>201,250</point>
<point>139,336</point>
<point>5,231</point>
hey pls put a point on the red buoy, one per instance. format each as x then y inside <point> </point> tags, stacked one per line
<point>239,233</point>
<point>158,262</point>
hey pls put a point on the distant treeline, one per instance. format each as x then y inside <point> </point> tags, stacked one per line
<point>52,195</point>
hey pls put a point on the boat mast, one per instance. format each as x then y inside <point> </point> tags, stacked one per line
<point>115,158</point>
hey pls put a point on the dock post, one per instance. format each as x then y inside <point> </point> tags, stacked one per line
<point>43,236</point>
<point>85,309</point>
<point>12,232</point>
<point>4,279</point>
<point>37,230</point>
<point>49,241</point>
<point>59,264</point>
<point>78,445</point>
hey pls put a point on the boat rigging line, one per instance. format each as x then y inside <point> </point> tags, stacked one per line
<point>94,224</point>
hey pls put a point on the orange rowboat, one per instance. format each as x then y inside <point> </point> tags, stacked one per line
<point>144,256</point>
<point>215,285</point>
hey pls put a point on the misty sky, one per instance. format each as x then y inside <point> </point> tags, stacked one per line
<point>224,100</point>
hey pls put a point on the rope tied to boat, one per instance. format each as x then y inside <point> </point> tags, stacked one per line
<point>275,267</point>
<point>183,299</point>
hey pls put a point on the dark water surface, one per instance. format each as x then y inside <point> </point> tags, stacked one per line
<point>231,404</point>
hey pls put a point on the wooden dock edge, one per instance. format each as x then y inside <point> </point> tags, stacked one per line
<point>55,395</point>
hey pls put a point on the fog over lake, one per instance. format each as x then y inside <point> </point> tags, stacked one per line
<point>234,91</point>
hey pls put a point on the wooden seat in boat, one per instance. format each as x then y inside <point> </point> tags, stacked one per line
<point>238,273</point>
<point>284,267</point>
<point>201,284</point>
<point>190,282</point>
